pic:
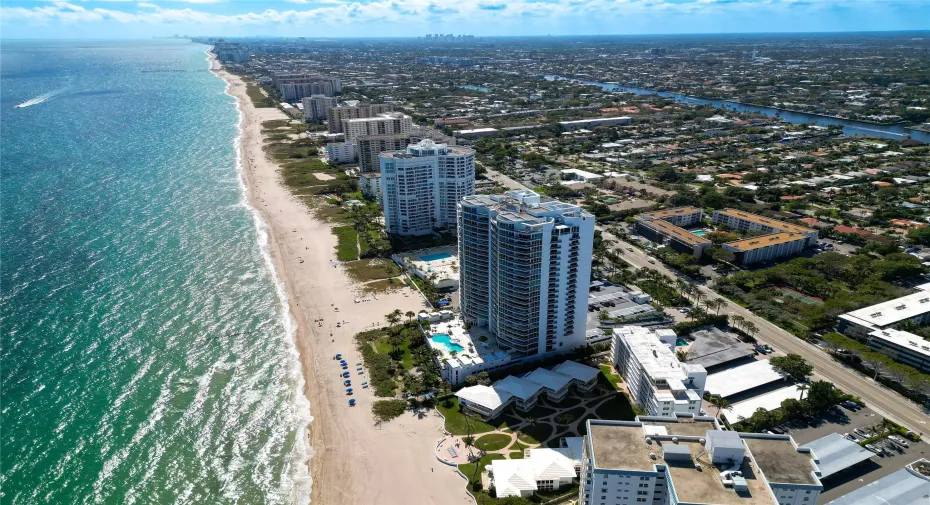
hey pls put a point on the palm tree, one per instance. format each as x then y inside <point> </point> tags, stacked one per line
<point>410,315</point>
<point>750,328</point>
<point>802,388</point>
<point>716,304</point>
<point>393,317</point>
<point>737,322</point>
<point>682,286</point>
<point>720,403</point>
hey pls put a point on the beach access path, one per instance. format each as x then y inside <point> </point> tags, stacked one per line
<point>353,461</point>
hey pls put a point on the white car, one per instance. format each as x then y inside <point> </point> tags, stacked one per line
<point>898,440</point>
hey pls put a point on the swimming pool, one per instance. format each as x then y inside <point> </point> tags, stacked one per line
<point>700,233</point>
<point>435,257</point>
<point>442,338</point>
<point>680,342</point>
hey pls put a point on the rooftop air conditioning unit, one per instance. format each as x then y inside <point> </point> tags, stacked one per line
<point>675,440</point>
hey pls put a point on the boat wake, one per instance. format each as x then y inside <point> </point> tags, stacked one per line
<point>39,99</point>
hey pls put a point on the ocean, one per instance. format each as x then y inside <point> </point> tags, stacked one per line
<point>147,354</point>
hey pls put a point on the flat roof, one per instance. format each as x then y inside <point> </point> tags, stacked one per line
<point>748,244</point>
<point>655,357</point>
<point>665,213</point>
<point>774,223</point>
<point>582,173</point>
<point>779,459</point>
<point>705,486</point>
<point>907,340</point>
<point>835,453</point>
<point>619,446</point>
<point>713,346</point>
<point>906,485</point>
<point>677,232</point>
<point>768,401</point>
<point>892,311</point>
<point>596,120</point>
<point>682,426</point>
<point>742,378</point>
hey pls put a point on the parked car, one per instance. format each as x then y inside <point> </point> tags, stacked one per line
<point>900,441</point>
<point>850,437</point>
<point>861,433</point>
<point>874,449</point>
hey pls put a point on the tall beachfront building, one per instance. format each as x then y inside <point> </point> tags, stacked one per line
<point>421,186</point>
<point>336,115</point>
<point>525,270</point>
<point>387,123</point>
<point>316,106</point>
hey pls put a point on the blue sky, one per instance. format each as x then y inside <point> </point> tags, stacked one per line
<point>400,18</point>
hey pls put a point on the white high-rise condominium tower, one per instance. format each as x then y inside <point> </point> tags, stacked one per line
<point>525,270</point>
<point>421,186</point>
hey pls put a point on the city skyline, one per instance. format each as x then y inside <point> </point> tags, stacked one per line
<point>380,18</point>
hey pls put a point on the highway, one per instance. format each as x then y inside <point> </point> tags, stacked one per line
<point>880,399</point>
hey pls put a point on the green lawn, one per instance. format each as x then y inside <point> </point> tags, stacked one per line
<point>455,420</point>
<point>535,434</point>
<point>258,99</point>
<point>492,442</point>
<point>608,375</point>
<point>617,408</point>
<point>383,347</point>
<point>468,469</point>
<point>347,248</point>
<point>516,455</point>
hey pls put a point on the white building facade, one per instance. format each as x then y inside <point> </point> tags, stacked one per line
<point>422,185</point>
<point>388,123</point>
<point>525,270</point>
<point>316,106</point>
<point>341,152</point>
<point>656,379</point>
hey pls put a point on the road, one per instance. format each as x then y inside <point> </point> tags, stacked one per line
<point>880,399</point>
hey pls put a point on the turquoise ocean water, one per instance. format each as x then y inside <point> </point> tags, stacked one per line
<point>146,352</point>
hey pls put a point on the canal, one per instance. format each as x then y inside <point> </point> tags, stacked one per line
<point>850,127</point>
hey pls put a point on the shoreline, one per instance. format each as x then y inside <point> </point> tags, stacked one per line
<point>350,459</point>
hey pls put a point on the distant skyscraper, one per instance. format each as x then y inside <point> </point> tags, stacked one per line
<point>422,185</point>
<point>525,270</point>
<point>388,123</point>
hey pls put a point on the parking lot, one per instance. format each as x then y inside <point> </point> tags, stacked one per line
<point>840,420</point>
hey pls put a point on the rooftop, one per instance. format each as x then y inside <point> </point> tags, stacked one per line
<point>658,361</point>
<point>666,213</point>
<point>547,378</point>
<point>486,396</point>
<point>909,341</point>
<point>907,485</point>
<point>619,445</point>
<point>892,311</point>
<point>768,401</point>
<point>835,453</point>
<point>773,223</point>
<point>713,346</point>
<point>742,378</point>
<point>748,244</point>
<point>679,233</point>
<point>779,459</point>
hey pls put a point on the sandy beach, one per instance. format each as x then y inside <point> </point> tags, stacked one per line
<point>353,462</point>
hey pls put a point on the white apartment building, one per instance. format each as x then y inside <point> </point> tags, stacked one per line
<point>341,152</point>
<point>691,461</point>
<point>906,347</point>
<point>336,115</point>
<point>658,382</point>
<point>421,186</point>
<point>370,185</point>
<point>316,106</point>
<point>294,87</point>
<point>371,147</point>
<point>746,222</point>
<point>525,270</point>
<point>914,307</point>
<point>388,123</point>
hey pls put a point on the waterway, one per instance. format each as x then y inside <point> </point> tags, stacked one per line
<point>475,88</point>
<point>850,127</point>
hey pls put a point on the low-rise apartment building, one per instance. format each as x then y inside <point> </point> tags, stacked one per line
<point>860,323</point>
<point>657,381</point>
<point>906,347</point>
<point>691,461</point>
<point>766,247</point>
<point>746,222</point>
<point>665,227</point>
<point>370,185</point>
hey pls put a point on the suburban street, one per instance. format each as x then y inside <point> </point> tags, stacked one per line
<point>880,399</point>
